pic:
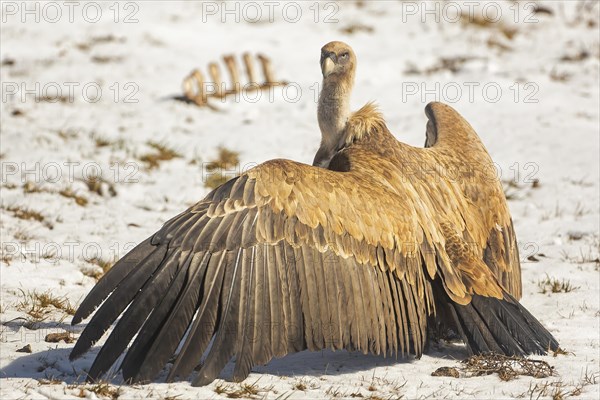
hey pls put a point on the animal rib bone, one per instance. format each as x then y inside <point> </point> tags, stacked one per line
<point>194,85</point>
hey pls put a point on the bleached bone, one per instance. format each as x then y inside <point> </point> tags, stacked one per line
<point>249,68</point>
<point>195,79</point>
<point>233,73</point>
<point>266,68</point>
<point>194,85</point>
<point>215,76</point>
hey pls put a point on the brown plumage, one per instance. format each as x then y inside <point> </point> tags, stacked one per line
<point>367,253</point>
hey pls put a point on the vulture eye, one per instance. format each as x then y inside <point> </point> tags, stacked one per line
<point>345,55</point>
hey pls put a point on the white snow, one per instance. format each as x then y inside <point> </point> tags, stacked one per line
<point>543,125</point>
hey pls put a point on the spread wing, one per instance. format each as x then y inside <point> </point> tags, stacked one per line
<point>288,257</point>
<point>455,142</point>
<point>283,258</point>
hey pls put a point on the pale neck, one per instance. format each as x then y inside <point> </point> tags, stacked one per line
<point>334,109</point>
<point>333,113</point>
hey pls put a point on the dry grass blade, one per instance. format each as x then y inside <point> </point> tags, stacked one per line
<point>162,153</point>
<point>220,169</point>
<point>27,214</point>
<point>226,159</point>
<point>39,305</point>
<point>70,194</point>
<point>99,186</point>
<point>553,285</point>
<point>104,265</point>
<point>242,390</point>
<point>103,389</point>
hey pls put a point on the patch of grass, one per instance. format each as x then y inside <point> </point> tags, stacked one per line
<point>334,392</point>
<point>161,153</point>
<point>32,187</point>
<point>559,76</point>
<point>226,160</point>
<point>583,182</point>
<point>86,46</point>
<point>581,55</point>
<point>580,210</point>
<point>559,352</point>
<point>49,254</point>
<point>556,213</point>
<point>381,384</point>
<point>242,390</point>
<point>39,305</point>
<point>22,235</point>
<point>299,386</point>
<point>507,368</point>
<point>480,21</point>
<point>355,28</point>
<point>103,389</point>
<point>70,194</point>
<point>100,141</point>
<point>96,184</point>
<point>28,214</point>
<point>106,59</point>
<point>553,285</point>
<point>6,258</point>
<point>25,213</point>
<point>67,134</point>
<point>452,64</point>
<point>103,141</point>
<point>52,99</point>
<point>356,394</point>
<point>557,390</point>
<point>47,299</point>
<point>304,384</point>
<point>104,265</point>
<point>585,258</point>
<point>215,180</point>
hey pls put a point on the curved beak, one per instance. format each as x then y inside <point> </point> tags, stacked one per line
<point>327,66</point>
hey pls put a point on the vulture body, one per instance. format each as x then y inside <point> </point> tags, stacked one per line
<point>370,249</point>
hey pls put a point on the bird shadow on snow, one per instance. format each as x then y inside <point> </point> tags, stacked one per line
<point>54,364</point>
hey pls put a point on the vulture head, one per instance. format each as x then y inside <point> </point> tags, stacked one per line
<point>337,61</point>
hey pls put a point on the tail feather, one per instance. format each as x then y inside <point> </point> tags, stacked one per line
<point>478,330</point>
<point>537,338</point>
<point>488,324</point>
<point>504,331</point>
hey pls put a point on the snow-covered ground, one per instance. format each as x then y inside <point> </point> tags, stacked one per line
<point>529,84</point>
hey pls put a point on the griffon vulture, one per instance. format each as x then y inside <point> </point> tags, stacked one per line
<point>369,249</point>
